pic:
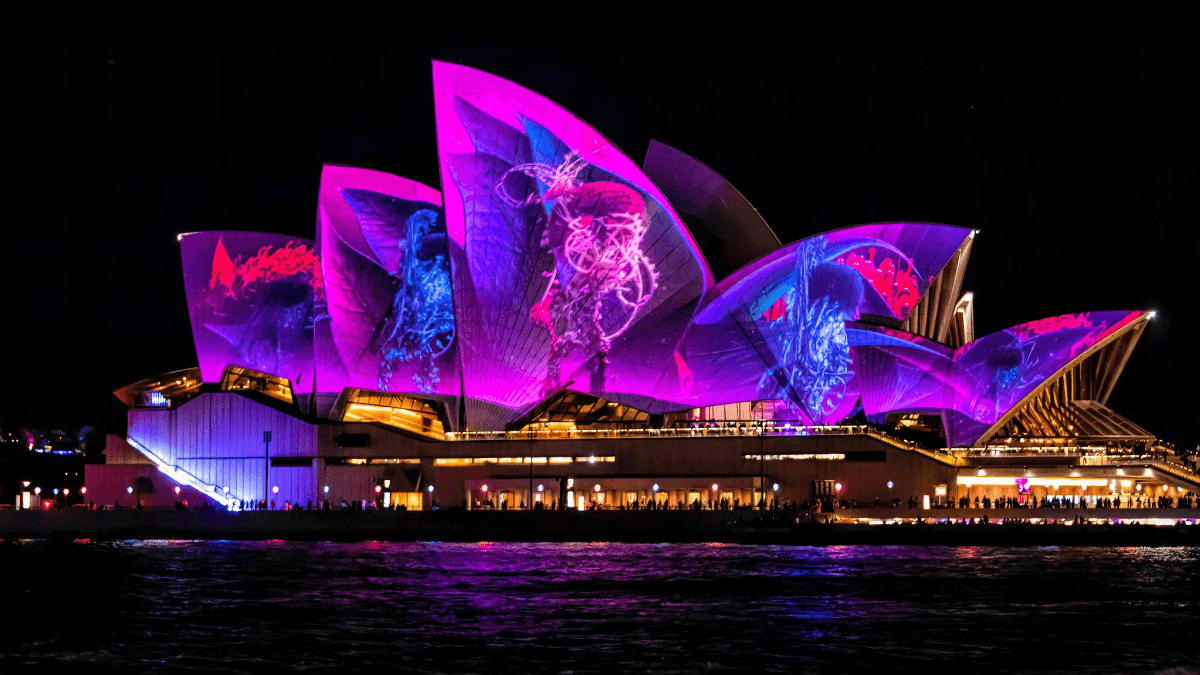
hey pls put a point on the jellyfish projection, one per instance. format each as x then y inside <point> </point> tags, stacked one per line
<point>420,326</point>
<point>813,354</point>
<point>601,277</point>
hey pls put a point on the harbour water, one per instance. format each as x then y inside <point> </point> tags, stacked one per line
<point>274,606</point>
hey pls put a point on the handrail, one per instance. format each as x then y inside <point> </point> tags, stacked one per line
<point>1180,472</point>
<point>773,429</point>
<point>182,476</point>
<point>753,431</point>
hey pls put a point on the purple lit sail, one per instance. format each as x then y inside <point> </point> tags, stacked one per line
<point>390,323</point>
<point>978,384</point>
<point>563,250</point>
<point>251,299</point>
<point>776,328</point>
<point>1004,367</point>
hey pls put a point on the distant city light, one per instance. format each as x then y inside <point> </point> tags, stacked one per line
<point>891,484</point>
<point>654,487</point>
<point>541,488</point>
<point>55,490</point>
<point>83,490</point>
<point>596,487</point>
<point>378,489</point>
<point>837,486</point>
<point>775,487</point>
<point>483,488</point>
<point>715,487</point>
<point>275,490</point>
<point>430,489</point>
<point>177,489</point>
<point>326,489</point>
<point>129,490</point>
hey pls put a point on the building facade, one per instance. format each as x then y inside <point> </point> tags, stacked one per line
<point>559,326</point>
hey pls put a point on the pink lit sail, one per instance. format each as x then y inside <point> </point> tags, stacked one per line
<point>563,250</point>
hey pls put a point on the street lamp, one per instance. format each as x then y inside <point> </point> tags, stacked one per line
<point>762,462</point>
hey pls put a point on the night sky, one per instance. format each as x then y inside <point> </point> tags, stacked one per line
<point>1079,170</point>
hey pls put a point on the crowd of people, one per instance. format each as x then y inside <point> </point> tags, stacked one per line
<point>641,505</point>
<point>1148,501</point>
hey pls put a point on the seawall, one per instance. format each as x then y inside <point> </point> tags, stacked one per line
<point>611,526</point>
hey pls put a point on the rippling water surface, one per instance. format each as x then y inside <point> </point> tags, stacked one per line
<point>613,608</point>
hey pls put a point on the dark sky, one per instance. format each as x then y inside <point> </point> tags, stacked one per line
<point>1079,169</point>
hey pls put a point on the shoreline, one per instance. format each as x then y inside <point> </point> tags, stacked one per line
<point>611,526</point>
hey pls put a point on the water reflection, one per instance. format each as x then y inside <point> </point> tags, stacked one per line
<point>495,607</point>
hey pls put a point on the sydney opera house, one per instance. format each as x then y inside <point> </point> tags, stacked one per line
<point>558,324</point>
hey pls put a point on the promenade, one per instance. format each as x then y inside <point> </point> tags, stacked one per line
<point>883,526</point>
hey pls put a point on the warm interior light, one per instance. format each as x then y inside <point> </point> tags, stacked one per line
<point>1044,482</point>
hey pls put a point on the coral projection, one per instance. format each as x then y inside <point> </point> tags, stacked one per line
<point>552,263</point>
<point>252,298</point>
